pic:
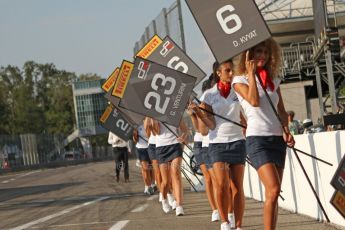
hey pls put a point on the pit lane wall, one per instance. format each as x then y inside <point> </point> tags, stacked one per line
<point>299,198</point>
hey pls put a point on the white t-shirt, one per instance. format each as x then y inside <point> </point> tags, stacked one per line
<point>166,137</point>
<point>229,108</point>
<point>205,139</point>
<point>261,121</point>
<point>197,137</point>
<point>202,98</point>
<point>142,144</point>
<point>152,139</point>
<point>116,141</point>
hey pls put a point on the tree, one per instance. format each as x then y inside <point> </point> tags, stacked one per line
<point>10,80</point>
<point>27,114</point>
<point>38,99</point>
<point>88,77</point>
<point>60,115</point>
<point>4,109</point>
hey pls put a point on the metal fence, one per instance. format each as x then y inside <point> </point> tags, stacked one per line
<point>39,150</point>
<point>285,9</point>
<point>168,22</point>
<point>296,57</point>
<point>28,149</point>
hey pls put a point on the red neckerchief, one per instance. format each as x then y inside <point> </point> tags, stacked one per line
<point>224,89</point>
<point>266,80</point>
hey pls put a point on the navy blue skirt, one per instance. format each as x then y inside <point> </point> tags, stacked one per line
<point>197,153</point>
<point>266,149</point>
<point>232,152</point>
<point>168,153</point>
<point>143,155</point>
<point>206,157</point>
<point>152,152</point>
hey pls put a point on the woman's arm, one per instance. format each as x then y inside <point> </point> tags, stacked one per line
<point>244,123</point>
<point>249,92</point>
<point>198,124</point>
<point>193,117</point>
<point>183,137</point>
<point>282,112</point>
<point>135,136</point>
<point>203,129</point>
<point>284,119</point>
<point>207,119</point>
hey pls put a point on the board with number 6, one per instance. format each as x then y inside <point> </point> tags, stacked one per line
<point>157,91</point>
<point>229,27</point>
<point>166,52</point>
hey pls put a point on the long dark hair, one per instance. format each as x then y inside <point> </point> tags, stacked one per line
<point>212,80</point>
<point>216,67</point>
<point>207,84</point>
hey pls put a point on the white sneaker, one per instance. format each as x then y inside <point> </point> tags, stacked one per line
<point>138,163</point>
<point>174,205</point>
<point>166,207</point>
<point>170,199</point>
<point>231,218</point>
<point>179,211</point>
<point>150,191</point>
<point>160,197</point>
<point>146,190</point>
<point>215,216</point>
<point>225,226</point>
<point>238,228</point>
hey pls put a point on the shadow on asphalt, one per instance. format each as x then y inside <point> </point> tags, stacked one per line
<point>62,201</point>
<point>12,193</point>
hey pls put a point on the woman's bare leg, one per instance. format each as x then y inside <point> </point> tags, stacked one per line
<point>209,187</point>
<point>221,172</point>
<point>270,178</point>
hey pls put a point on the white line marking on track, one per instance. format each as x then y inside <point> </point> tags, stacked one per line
<point>44,219</point>
<point>29,173</point>
<point>79,224</point>
<point>140,208</point>
<point>19,176</point>
<point>152,197</point>
<point>119,225</point>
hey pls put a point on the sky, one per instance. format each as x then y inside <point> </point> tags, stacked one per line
<point>85,36</point>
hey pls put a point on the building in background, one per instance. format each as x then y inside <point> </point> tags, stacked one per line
<point>311,34</point>
<point>89,105</point>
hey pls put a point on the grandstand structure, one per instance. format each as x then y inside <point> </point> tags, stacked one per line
<point>313,64</point>
<point>313,67</point>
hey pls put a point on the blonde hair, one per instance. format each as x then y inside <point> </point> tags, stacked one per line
<point>274,61</point>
